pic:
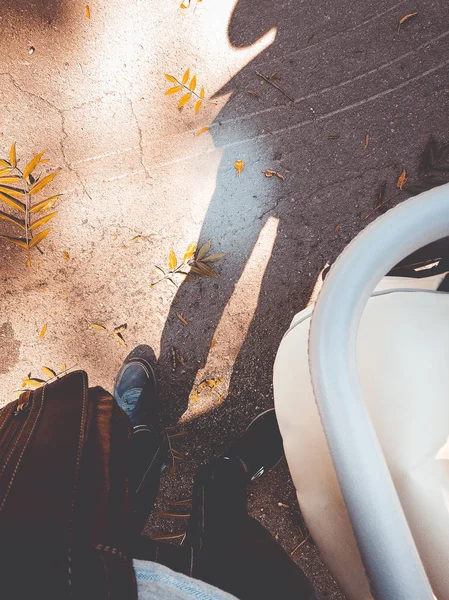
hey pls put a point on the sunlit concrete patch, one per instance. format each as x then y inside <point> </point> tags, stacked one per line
<point>232,329</point>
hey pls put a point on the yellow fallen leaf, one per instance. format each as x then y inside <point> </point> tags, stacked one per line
<point>172,261</point>
<point>170,78</point>
<point>64,367</point>
<point>184,100</point>
<point>66,255</point>
<point>192,84</point>
<point>181,318</point>
<point>12,156</point>
<point>202,93</point>
<point>401,179</point>
<point>96,326</point>
<point>32,164</point>
<point>198,104</point>
<point>119,338</point>
<point>43,182</point>
<point>49,372</point>
<point>43,331</point>
<point>44,204</point>
<point>185,77</point>
<point>17,241</point>
<point>239,165</point>
<point>191,248</point>
<point>42,221</point>
<point>173,90</point>
<point>32,383</point>
<point>39,237</point>
<point>87,9</point>
<point>202,130</point>
<point>185,4</point>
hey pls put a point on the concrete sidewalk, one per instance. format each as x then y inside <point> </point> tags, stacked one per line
<point>138,182</point>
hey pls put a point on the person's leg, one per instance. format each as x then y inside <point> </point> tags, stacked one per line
<point>232,550</point>
<point>135,391</point>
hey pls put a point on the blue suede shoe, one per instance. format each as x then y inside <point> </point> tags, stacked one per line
<point>135,391</point>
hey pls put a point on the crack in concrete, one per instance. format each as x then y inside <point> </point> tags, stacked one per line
<point>61,116</point>
<point>139,132</point>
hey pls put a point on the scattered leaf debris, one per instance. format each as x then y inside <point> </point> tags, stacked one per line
<point>87,9</point>
<point>282,505</point>
<point>202,130</point>
<point>401,179</point>
<point>49,372</point>
<point>268,80</point>
<point>66,255</point>
<point>269,173</point>
<point>239,166</point>
<point>366,141</point>
<point>337,228</point>
<point>299,545</point>
<point>43,331</point>
<point>406,18</point>
<point>181,318</point>
<point>97,326</point>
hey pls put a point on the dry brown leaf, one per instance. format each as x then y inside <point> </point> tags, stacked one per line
<point>12,156</point>
<point>172,261</point>
<point>170,78</point>
<point>202,130</point>
<point>253,93</point>
<point>366,141</point>
<point>32,164</point>
<point>184,99</point>
<point>42,221</point>
<point>192,84</point>
<point>191,248</point>
<point>66,255</point>
<point>214,257</point>
<point>202,93</point>
<point>282,505</point>
<point>204,250</point>
<point>87,9</point>
<point>206,271</point>
<point>173,90</point>
<point>11,219</point>
<point>17,241</point>
<point>239,165</point>
<point>13,202</point>
<point>269,173</point>
<point>119,338</point>
<point>43,182</point>
<point>96,326</point>
<point>181,318</point>
<point>44,204</point>
<point>401,179</point>
<point>185,77</point>
<point>198,104</point>
<point>39,237</point>
<point>43,331</point>
<point>337,228</point>
<point>407,17</point>
<point>49,372</point>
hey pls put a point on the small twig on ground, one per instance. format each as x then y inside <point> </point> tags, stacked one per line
<point>299,545</point>
<point>268,80</point>
<point>381,204</point>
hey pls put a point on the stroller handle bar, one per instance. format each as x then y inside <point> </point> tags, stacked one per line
<point>388,551</point>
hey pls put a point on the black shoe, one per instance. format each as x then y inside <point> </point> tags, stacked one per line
<point>260,448</point>
<point>135,391</point>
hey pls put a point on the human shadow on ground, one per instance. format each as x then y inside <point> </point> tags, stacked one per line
<point>350,127</point>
